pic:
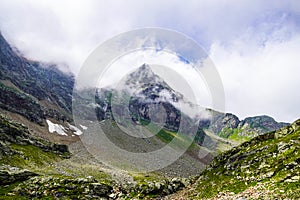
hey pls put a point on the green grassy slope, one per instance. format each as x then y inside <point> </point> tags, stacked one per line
<point>267,164</point>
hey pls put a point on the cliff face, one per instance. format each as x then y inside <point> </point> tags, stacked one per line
<point>27,83</point>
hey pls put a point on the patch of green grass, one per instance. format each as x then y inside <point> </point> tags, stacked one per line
<point>149,177</point>
<point>33,158</point>
<point>236,137</point>
<point>226,132</point>
<point>176,140</point>
<point>84,170</point>
<point>166,136</point>
<point>233,134</point>
<point>30,157</point>
<point>5,190</point>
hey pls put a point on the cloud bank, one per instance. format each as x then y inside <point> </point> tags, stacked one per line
<point>254,44</point>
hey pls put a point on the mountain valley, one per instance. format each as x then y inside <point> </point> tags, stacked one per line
<point>43,152</point>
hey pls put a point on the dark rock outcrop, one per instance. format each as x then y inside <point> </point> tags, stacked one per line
<point>11,176</point>
<point>14,133</point>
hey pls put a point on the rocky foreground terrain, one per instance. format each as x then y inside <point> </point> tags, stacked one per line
<point>34,168</point>
<point>266,167</point>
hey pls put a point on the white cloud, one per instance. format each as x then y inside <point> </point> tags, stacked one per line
<point>67,31</point>
<point>253,43</point>
<point>264,79</point>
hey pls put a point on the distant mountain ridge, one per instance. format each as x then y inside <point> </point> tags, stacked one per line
<point>146,87</point>
<point>228,125</point>
<point>48,93</point>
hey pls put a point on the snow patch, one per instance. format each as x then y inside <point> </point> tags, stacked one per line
<point>76,130</point>
<point>59,129</point>
<point>83,127</point>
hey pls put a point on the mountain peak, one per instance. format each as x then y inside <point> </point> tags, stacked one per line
<point>143,75</point>
<point>146,84</point>
<point>145,66</point>
<point>143,71</point>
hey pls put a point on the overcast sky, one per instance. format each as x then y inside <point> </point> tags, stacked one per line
<point>254,44</point>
